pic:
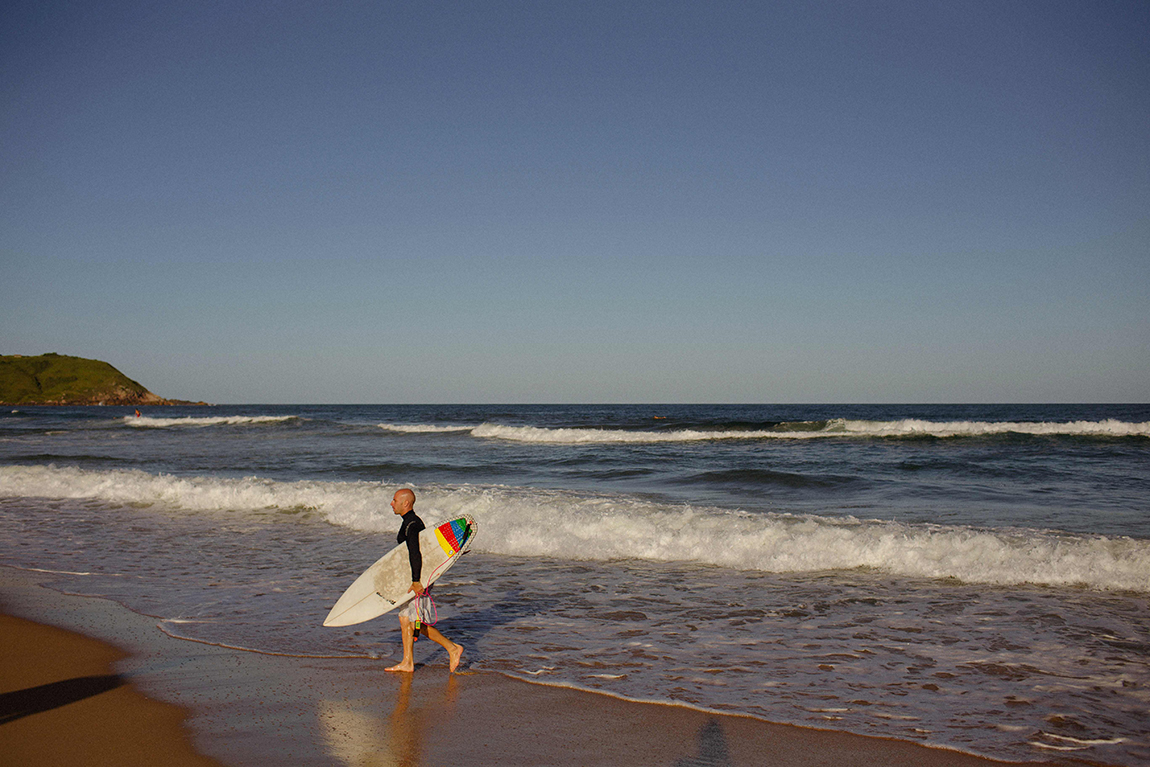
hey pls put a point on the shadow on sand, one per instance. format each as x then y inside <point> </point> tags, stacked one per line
<point>45,697</point>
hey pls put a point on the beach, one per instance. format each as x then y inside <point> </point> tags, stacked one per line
<point>76,698</point>
<point>62,703</point>
<point>786,364</point>
<point>966,579</point>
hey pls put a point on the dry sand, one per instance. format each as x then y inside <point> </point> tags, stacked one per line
<point>61,703</point>
<point>69,699</point>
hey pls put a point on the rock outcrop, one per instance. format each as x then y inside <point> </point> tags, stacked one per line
<point>55,379</point>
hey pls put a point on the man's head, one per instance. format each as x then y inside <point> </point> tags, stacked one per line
<point>403,502</point>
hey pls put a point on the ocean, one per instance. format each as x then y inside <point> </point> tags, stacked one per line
<point>976,577</point>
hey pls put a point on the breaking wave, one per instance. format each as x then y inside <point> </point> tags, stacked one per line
<point>567,525</point>
<point>912,427</point>
<point>420,428</point>
<point>145,422</point>
<point>601,436</point>
<point>839,427</point>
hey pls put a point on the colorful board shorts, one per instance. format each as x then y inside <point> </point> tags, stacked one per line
<point>410,610</point>
<point>419,608</point>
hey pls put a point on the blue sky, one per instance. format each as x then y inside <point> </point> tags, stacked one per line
<point>582,202</point>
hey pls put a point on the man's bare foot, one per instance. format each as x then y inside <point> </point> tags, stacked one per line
<point>455,654</point>
<point>408,667</point>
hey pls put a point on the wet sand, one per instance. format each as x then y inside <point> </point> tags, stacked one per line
<point>72,698</point>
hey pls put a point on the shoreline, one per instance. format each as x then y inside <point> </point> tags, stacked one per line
<point>247,709</point>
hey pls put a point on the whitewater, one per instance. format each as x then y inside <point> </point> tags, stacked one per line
<point>834,428</point>
<point>525,522</point>
<point>970,576</point>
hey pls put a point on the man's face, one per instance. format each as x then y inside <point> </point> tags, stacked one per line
<point>400,503</point>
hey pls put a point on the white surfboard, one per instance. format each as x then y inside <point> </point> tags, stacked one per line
<point>386,585</point>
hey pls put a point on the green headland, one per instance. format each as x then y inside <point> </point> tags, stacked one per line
<point>55,379</point>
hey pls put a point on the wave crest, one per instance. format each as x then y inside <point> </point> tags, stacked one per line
<point>913,427</point>
<point>840,427</point>
<point>422,428</point>
<point>198,421</point>
<point>599,436</point>
<point>561,524</point>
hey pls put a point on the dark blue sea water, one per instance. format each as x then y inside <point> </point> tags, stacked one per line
<point>971,576</point>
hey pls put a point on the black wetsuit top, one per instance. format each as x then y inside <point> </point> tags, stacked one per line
<point>409,533</point>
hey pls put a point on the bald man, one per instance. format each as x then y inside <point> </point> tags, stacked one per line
<point>403,504</point>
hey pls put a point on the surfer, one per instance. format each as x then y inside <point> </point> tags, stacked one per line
<point>403,504</point>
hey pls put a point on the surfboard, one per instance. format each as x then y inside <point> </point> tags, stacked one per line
<point>386,584</point>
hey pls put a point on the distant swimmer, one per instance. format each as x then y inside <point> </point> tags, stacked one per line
<point>660,417</point>
<point>137,413</point>
<point>403,504</point>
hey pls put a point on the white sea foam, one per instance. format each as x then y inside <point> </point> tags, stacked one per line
<point>421,428</point>
<point>839,427</point>
<point>229,420</point>
<point>578,436</point>
<point>208,494</point>
<point>1082,741</point>
<point>535,522</point>
<point>913,427</point>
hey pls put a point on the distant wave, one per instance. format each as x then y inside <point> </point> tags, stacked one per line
<point>841,428</point>
<point>229,420</point>
<point>599,436</point>
<point>422,428</point>
<point>912,427</point>
<point>535,522</point>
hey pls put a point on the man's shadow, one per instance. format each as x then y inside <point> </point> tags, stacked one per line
<point>45,697</point>
<point>472,626</point>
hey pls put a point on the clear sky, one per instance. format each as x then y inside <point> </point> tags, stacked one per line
<point>382,202</point>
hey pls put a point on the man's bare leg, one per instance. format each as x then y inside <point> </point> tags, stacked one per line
<point>454,651</point>
<point>408,662</point>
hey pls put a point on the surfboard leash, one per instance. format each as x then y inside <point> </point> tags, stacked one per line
<point>428,608</point>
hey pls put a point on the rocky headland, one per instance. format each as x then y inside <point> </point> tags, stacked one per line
<point>56,379</point>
